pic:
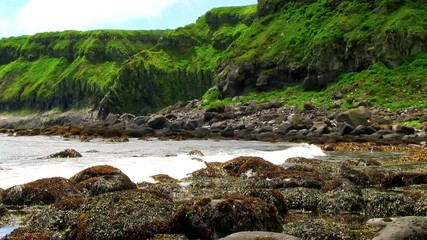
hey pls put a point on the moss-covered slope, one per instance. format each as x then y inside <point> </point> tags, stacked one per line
<point>313,42</point>
<point>66,69</point>
<point>132,71</point>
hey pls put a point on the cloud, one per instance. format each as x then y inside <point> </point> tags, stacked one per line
<point>56,15</point>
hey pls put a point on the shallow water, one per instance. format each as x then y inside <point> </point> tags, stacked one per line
<point>24,159</point>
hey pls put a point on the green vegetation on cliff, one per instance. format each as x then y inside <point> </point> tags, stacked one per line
<point>295,51</point>
<point>310,45</point>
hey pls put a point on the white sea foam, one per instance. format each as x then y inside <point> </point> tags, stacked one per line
<point>21,158</point>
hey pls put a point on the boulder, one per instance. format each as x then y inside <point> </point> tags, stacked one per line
<point>213,218</point>
<point>132,214</point>
<point>404,228</point>
<point>102,179</point>
<point>157,122</point>
<point>355,117</point>
<point>39,192</point>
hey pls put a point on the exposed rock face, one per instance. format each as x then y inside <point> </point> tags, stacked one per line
<point>43,191</point>
<point>319,63</point>
<point>102,179</point>
<point>212,218</point>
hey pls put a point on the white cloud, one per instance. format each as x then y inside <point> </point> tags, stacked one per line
<point>56,15</point>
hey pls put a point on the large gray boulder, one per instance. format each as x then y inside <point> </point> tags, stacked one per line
<point>404,228</point>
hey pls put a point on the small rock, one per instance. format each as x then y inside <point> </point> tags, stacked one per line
<point>67,153</point>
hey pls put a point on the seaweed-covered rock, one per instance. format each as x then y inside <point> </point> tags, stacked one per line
<point>420,206</point>
<point>340,202</point>
<point>315,229</point>
<point>131,214</point>
<point>102,179</point>
<point>387,204</point>
<point>42,191</point>
<point>405,179</point>
<point>345,198</point>
<point>213,218</point>
<point>67,153</point>
<point>265,174</point>
<point>254,165</point>
<point>258,235</point>
<point>28,233</point>
<point>271,196</point>
<point>301,198</point>
<point>404,228</point>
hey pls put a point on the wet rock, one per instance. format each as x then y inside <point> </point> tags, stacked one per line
<point>391,204</point>
<point>258,235</point>
<point>301,198</point>
<point>102,179</point>
<point>404,179</point>
<point>404,228</point>
<point>157,122</point>
<point>39,192</point>
<point>196,152</point>
<point>213,218</point>
<point>67,153</point>
<point>129,214</point>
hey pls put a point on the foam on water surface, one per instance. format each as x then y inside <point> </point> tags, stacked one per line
<point>23,159</point>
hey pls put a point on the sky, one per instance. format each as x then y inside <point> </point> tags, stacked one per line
<point>27,17</point>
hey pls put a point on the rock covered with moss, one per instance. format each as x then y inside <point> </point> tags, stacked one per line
<point>43,191</point>
<point>213,218</point>
<point>102,179</point>
<point>129,214</point>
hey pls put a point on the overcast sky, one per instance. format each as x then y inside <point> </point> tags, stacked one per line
<point>26,17</point>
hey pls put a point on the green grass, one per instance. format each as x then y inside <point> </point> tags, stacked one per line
<point>393,88</point>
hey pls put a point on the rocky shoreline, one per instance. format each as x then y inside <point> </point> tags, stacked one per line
<point>249,121</point>
<point>243,198</point>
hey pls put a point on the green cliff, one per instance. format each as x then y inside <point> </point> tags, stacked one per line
<point>295,51</point>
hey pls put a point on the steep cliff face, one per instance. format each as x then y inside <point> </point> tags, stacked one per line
<point>67,69</point>
<point>127,71</point>
<point>313,42</point>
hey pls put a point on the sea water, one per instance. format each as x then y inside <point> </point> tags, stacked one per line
<point>24,159</point>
